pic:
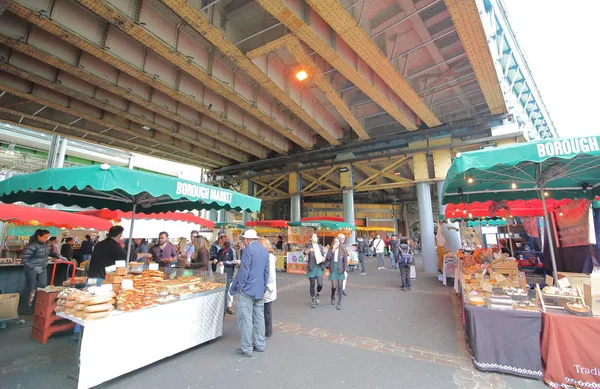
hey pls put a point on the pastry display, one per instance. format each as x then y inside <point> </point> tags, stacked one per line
<point>578,309</point>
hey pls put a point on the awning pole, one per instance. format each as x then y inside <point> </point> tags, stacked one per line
<point>510,244</point>
<point>549,233</point>
<point>130,234</point>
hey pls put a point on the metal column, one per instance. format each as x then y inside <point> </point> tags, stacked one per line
<point>62,151</point>
<point>295,200</point>
<point>295,208</point>
<point>212,215</point>
<point>428,250</point>
<point>131,162</point>
<point>451,231</point>
<point>247,216</point>
<point>52,151</point>
<point>222,216</point>
<point>348,203</point>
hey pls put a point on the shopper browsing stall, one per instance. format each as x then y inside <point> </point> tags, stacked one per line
<point>214,251</point>
<point>251,283</point>
<point>337,263</point>
<point>86,248</point>
<point>199,259</point>
<point>106,253</point>
<point>188,250</point>
<point>315,267</point>
<point>227,257</point>
<point>163,251</point>
<point>271,290</point>
<point>35,262</point>
<point>378,246</point>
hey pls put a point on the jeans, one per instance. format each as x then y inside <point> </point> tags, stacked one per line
<point>405,274</point>
<point>33,280</point>
<point>268,320</point>
<point>379,259</point>
<point>228,297</point>
<point>361,259</point>
<point>392,259</point>
<point>251,322</point>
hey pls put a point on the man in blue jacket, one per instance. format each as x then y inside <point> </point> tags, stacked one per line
<point>251,283</point>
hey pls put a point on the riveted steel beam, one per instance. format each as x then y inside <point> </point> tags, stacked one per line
<point>216,151</point>
<point>268,47</point>
<point>354,35</point>
<point>467,22</point>
<point>68,107</point>
<point>304,32</point>
<point>190,15</point>
<point>193,96</point>
<point>217,136</point>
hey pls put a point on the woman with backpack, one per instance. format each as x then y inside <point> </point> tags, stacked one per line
<point>405,260</point>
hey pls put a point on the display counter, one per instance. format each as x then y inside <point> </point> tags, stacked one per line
<point>570,350</point>
<point>12,277</point>
<point>127,341</point>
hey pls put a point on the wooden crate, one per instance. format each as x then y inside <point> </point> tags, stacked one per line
<point>44,323</point>
<point>43,335</point>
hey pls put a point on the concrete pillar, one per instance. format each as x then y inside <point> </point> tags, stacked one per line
<point>295,187</point>
<point>212,215</point>
<point>347,184</point>
<point>222,216</point>
<point>131,162</point>
<point>451,231</point>
<point>52,151</point>
<point>428,249</point>
<point>62,151</point>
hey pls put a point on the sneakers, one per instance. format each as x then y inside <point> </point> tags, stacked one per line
<point>239,351</point>
<point>314,303</point>
<point>339,307</point>
<point>403,288</point>
<point>257,350</point>
<point>382,268</point>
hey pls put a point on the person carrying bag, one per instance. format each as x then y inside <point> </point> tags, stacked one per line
<point>405,262</point>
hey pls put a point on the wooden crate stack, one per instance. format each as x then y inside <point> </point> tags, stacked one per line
<point>45,321</point>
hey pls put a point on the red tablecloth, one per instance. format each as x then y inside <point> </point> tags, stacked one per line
<point>570,350</point>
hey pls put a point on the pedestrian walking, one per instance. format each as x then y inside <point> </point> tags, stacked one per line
<point>315,268</point>
<point>393,250</point>
<point>251,283</point>
<point>86,248</point>
<point>228,258</point>
<point>271,290</point>
<point>405,260</point>
<point>337,263</point>
<point>362,248</point>
<point>378,245</point>
<point>343,243</point>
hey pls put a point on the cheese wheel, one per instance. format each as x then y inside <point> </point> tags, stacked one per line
<point>99,308</point>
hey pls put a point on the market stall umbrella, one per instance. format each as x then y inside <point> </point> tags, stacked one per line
<point>109,214</point>
<point>268,223</point>
<point>123,189</point>
<point>510,208</point>
<point>22,215</point>
<point>558,169</point>
<point>323,224</point>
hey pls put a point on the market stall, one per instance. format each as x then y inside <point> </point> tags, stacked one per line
<point>12,279</point>
<point>193,321</point>
<point>543,170</point>
<point>272,229</point>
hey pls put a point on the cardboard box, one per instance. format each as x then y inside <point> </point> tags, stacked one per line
<point>577,280</point>
<point>110,278</point>
<point>121,271</point>
<point>117,280</point>
<point>9,304</point>
<point>591,294</point>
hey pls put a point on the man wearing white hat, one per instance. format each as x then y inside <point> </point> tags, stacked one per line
<point>251,283</point>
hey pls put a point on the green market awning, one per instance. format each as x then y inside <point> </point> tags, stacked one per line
<point>116,188</point>
<point>563,168</point>
<point>324,224</point>
<point>229,225</point>
<point>486,223</point>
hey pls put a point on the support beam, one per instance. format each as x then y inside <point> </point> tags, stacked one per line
<point>426,227</point>
<point>295,188</point>
<point>260,134</point>
<point>267,48</point>
<point>347,186</point>
<point>343,23</point>
<point>305,33</point>
<point>186,11</point>
<point>467,21</point>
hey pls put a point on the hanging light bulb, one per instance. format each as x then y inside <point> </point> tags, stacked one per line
<point>560,214</point>
<point>470,180</point>
<point>513,185</point>
<point>470,214</point>
<point>465,212</point>
<point>546,194</point>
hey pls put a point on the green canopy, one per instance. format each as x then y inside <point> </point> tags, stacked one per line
<point>554,168</point>
<point>116,188</point>
<point>229,225</point>
<point>564,168</point>
<point>324,224</point>
<point>486,223</point>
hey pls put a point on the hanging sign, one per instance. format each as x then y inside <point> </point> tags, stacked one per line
<point>300,235</point>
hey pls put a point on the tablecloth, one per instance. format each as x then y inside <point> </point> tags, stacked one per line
<point>504,341</point>
<point>570,350</point>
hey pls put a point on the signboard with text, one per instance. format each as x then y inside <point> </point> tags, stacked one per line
<point>300,235</point>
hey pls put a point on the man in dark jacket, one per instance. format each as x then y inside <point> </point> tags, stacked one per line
<point>214,251</point>
<point>394,248</point>
<point>106,253</point>
<point>35,264</point>
<point>362,248</point>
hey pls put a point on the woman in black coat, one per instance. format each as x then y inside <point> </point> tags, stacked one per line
<point>315,268</point>
<point>337,263</point>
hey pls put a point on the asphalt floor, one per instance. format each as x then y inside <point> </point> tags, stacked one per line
<point>382,338</point>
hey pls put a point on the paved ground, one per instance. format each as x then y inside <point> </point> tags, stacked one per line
<point>382,338</point>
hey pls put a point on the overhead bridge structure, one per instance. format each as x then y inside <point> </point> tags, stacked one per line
<point>283,99</point>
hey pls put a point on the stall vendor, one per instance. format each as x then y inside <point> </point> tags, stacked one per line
<point>106,253</point>
<point>164,252</point>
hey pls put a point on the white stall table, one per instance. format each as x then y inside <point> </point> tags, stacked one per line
<point>127,341</point>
